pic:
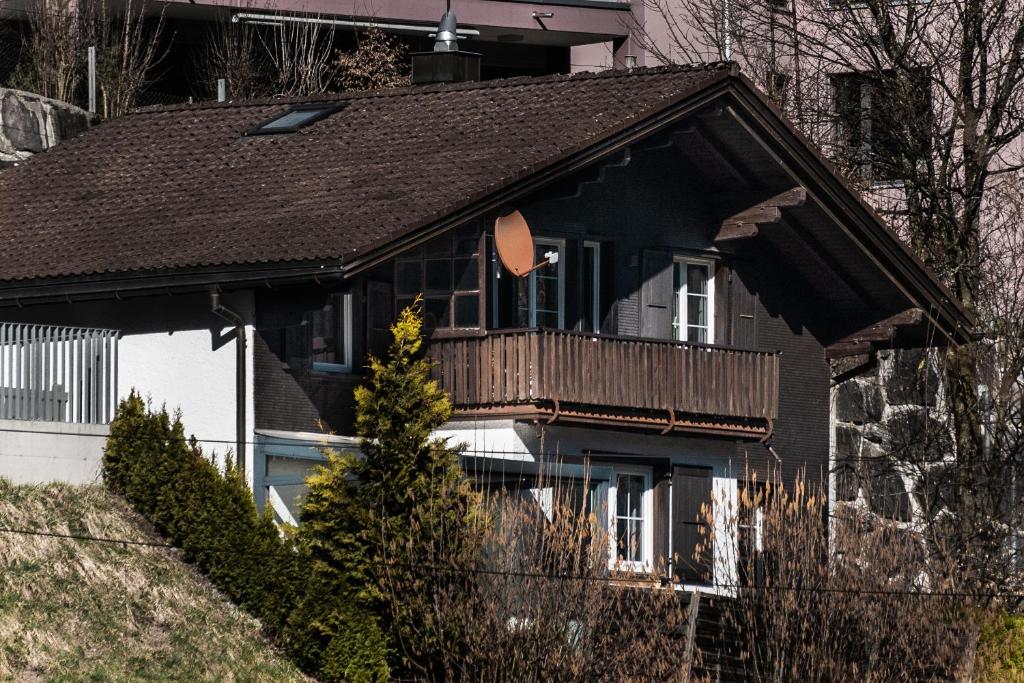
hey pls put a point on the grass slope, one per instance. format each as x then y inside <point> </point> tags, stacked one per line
<point>80,610</point>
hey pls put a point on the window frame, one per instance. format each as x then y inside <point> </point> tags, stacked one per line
<point>646,562</point>
<point>344,301</point>
<point>324,110</point>
<point>681,299</point>
<point>593,307</point>
<point>421,256</point>
<point>559,246</point>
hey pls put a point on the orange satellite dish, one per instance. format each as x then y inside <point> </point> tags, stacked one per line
<point>515,245</point>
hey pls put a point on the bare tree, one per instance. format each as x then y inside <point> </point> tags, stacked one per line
<point>53,57</point>
<point>128,49</point>
<point>882,610</point>
<point>235,52</point>
<point>533,598</point>
<point>301,55</point>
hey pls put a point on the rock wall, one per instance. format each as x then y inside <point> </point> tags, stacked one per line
<point>30,124</point>
<point>891,444</point>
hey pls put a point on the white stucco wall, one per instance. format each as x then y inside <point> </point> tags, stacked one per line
<point>33,452</point>
<point>518,442</point>
<point>183,371</point>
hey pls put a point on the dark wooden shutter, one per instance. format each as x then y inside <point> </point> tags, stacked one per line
<point>722,304</point>
<point>609,325</point>
<point>574,307</point>
<point>656,295</point>
<point>379,315</point>
<point>691,489</point>
<point>744,314</point>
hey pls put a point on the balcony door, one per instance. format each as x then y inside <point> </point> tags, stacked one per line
<point>537,300</point>
<point>694,285</point>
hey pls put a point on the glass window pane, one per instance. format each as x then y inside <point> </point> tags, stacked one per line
<point>696,279</point>
<point>467,311</point>
<point>523,301</point>
<point>280,465</point>
<point>629,495</point>
<point>438,276</point>
<point>547,319</point>
<point>323,329</point>
<point>435,312</point>
<point>293,496</point>
<point>409,278</point>
<point>341,353</point>
<point>547,294</point>
<point>697,310</point>
<point>467,274</point>
<point>697,334</point>
<point>293,119</point>
<point>442,246</point>
<point>466,244</point>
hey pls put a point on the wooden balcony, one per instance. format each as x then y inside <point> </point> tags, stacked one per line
<point>574,376</point>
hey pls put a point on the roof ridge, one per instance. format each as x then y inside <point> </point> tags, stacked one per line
<point>514,81</point>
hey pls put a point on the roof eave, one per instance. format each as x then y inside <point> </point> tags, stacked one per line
<point>874,237</point>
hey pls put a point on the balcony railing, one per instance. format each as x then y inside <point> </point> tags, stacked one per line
<point>58,374</point>
<point>504,368</point>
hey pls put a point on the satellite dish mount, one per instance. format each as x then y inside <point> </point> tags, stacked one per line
<point>515,245</point>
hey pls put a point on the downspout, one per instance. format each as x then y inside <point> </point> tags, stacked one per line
<point>227,314</point>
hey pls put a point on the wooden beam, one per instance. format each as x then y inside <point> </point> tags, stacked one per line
<point>743,225</point>
<point>864,341</point>
<point>736,231</point>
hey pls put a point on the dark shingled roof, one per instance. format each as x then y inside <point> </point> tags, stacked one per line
<point>181,187</point>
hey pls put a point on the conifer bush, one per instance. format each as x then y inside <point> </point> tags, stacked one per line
<point>211,516</point>
<point>320,589</point>
<point>405,489</point>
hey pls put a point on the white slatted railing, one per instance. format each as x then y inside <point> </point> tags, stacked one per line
<point>57,374</point>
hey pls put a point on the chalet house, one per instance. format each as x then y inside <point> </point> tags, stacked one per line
<point>701,266</point>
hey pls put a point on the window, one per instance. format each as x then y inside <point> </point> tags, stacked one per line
<point>882,122</point>
<point>298,116</point>
<point>322,341</point>
<point>591,287</point>
<point>631,507</point>
<point>540,295</point>
<point>693,318</point>
<point>750,534</point>
<point>446,272</point>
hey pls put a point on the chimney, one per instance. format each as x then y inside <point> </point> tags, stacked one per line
<point>446,63</point>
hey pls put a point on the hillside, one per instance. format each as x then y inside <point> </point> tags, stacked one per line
<point>75,609</point>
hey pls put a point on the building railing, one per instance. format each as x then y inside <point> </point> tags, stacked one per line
<point>510,367</point>
<point>57,374</point>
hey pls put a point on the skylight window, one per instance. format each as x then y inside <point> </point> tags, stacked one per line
<point>298,116</point>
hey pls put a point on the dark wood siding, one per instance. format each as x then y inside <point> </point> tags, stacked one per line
<point>691,491</point>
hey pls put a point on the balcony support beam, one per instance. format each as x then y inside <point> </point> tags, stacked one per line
<point>882,332</point>
<point>744,225</point>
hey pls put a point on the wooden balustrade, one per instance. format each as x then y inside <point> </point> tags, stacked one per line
<point>513,367</point>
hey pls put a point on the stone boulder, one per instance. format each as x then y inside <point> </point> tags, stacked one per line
<point>30,124</point>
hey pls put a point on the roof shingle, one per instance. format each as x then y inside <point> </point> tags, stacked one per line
<point>181,187</point>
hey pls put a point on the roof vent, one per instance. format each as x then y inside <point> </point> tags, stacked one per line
<point>446,63</point>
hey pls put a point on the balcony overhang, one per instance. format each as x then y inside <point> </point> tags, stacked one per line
<point>662,422</point>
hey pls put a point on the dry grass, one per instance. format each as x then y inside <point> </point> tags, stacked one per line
<point>81,610</point>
